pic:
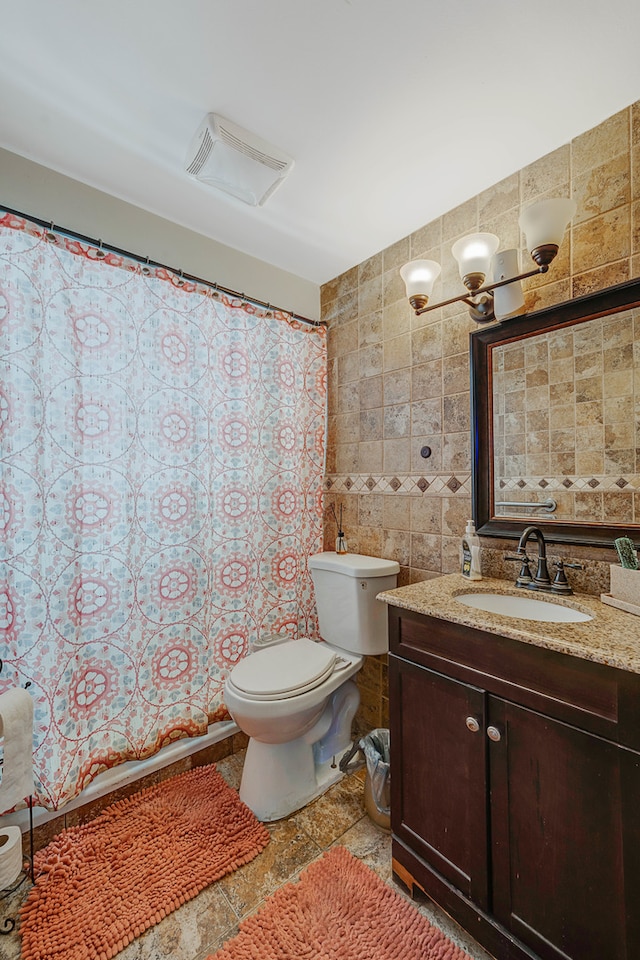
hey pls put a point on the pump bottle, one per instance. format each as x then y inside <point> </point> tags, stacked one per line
<point>471,553</point>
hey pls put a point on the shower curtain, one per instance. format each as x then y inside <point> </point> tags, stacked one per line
<point>161,463</point>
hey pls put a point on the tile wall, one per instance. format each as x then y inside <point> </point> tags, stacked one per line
<point>398,456</point>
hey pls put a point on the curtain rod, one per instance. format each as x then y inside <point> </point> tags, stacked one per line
<point>64,232</point>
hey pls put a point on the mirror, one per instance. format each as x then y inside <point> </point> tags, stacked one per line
<point>555,408</point>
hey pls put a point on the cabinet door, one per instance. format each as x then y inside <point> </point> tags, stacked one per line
<point>557,826</point>
<point>438,795</point>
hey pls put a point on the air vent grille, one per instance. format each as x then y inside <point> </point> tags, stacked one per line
<point>229,158</point>
<point>251,151</point>
<point>202,155</point>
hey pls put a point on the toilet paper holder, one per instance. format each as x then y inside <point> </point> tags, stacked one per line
<point>8,924</point>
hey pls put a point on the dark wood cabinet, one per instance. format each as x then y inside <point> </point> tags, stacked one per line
<point>443,813</point>
<point>516,790</point>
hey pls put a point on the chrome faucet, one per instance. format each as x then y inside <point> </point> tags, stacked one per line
<point>541,580</point>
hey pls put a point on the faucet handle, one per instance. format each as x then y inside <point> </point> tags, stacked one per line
<point>520,558</point>
<point>560,583</point>
<point>524,578</point>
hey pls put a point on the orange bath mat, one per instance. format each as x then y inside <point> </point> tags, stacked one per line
<point>338,910</point>
<point>104,883</point>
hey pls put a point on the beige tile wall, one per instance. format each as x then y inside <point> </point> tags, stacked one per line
<point>399,383</point>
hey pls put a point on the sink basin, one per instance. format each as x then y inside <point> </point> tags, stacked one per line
<point>524,608</point>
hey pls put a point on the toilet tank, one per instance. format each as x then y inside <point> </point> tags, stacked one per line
<point>346,586</point>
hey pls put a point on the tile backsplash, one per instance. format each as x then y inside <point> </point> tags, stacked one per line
<point>398,454</point>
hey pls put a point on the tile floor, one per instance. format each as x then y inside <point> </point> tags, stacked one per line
<point>201,926</point>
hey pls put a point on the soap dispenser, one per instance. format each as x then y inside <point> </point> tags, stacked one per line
<point>471,553</point>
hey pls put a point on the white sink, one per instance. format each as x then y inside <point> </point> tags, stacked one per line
<point>524,608</point>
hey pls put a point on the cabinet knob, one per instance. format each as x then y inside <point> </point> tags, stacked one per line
<point>494,733</point>
<point>472,724</point>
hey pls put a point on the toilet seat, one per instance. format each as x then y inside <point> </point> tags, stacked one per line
<point>284,670</point>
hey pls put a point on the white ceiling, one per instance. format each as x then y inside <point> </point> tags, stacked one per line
<point>394,110</point>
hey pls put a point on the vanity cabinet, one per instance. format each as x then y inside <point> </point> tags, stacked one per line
<point>516,790</point>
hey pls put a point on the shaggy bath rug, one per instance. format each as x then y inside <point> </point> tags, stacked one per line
<point>101,885</point>
<point>338,910</point>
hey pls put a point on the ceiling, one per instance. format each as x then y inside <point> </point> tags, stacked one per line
<point>395,111</point>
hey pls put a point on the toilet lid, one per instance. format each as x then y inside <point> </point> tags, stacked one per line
<point>286,669</point>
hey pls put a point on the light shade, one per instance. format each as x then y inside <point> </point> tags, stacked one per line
<point>419,277</point>
<point>507,300</point>
<point>474,253</point>
<point>545,222</point>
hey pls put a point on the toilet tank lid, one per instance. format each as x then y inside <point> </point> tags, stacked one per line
<point>353,564</point>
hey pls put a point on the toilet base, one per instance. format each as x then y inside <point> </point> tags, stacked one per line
<point>280,778</point>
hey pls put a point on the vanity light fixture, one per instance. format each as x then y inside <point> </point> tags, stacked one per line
<point>543,224</point>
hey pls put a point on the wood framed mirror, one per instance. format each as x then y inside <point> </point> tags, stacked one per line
<point>555,420</point>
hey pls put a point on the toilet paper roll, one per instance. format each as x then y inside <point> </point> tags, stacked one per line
<point>10,855</point>
<point>16,726</point>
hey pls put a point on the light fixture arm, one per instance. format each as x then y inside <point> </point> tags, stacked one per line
<point>464,297</point>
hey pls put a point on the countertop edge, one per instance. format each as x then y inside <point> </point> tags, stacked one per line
<point>612,638</point>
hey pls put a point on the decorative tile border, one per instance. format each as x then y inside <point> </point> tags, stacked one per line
<point>631,482</point>
<point>447,485</point>
<point>415,485</point>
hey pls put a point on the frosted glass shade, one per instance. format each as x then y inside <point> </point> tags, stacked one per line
<point>507,300</point>
<point>474,253</point>
<point>419,277</point>
<point>546,221</point>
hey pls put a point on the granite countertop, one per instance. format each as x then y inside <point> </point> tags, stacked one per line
<point>612,637</point>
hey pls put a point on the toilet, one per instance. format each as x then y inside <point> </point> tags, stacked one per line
<point>295,699</point>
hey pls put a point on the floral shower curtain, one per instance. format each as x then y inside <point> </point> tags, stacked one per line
<point>161,462</point>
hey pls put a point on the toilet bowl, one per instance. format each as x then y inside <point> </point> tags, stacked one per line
<point>279,693</point>
<point>294,733</point>
<point>296,700</point>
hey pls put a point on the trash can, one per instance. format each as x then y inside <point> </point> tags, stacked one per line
<point>375,749</point>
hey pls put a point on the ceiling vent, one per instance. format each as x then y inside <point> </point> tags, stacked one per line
<point>225,156</point>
